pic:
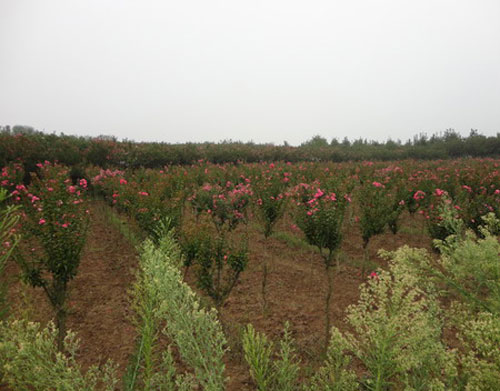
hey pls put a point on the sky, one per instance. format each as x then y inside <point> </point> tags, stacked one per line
<point>264,71</point>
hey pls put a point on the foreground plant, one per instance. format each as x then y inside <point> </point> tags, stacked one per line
<point>397,332</point>
<point>280,374</point>
<point>30,361</point>
<point>161,297</point>
<point>56,222</point>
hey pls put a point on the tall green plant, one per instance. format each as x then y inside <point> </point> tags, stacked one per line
<point>280,374</point>
<point>161,297</point>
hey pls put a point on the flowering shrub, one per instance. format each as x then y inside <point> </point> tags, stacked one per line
<point>269,191</point>
<point>376,203</point>
<point>56,221</point>
<point>320,215</point>
<point>225,205</point>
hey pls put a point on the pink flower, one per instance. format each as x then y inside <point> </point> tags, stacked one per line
<point>65,225</point>
<point>41,221</point>
<point>402,202</point>
<point>144,193</point>
<point>374,275</point>
<point>419,195</point>
<point>377,184</point>
<point>468,188</point>
<point>123,181</point>
<point>71,189</point>
<point>318,194</point>
<point>83,183</point>
<point>50,189</point>
<point>439,192</point>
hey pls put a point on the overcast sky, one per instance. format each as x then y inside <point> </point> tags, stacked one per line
<point>267,71</point>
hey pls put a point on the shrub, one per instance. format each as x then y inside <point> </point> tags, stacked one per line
<point>30,361</point>
<point>280,374</point>
<point>398,328</point>
<point>56,220</point>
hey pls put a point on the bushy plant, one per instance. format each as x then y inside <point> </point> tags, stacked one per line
<point>30,361</point>
<point>219,267</point>
<point>335,374</point>
<point>56,222</point>
<point>397,332</point>
<point>280,374</point>
<point>480,360</point>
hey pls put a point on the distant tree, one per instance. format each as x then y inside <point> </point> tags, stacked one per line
<point>316,142</point>
<point>334,142</point>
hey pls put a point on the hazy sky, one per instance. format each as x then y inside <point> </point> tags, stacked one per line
<point>267,71</point>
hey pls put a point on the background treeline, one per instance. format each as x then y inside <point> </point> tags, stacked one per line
<point>34,146</point>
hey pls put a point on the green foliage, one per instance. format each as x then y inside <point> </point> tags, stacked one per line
<point>219,267</point>
<point>280,374</point>
<point>258,351</point>
<point>30,361</point>
<point>335,374</point>
<point>8,241</point>
<point>194,331</point>
<point>480,337</point>
<point>377,209</point>
<point>398,328</point>
<point>269,191</point>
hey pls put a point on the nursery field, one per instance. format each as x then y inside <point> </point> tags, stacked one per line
<point>163,270</point>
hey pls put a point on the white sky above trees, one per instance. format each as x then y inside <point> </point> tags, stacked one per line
<point>262,71</point>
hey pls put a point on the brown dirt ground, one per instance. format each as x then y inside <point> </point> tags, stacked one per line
<point>101,314</point>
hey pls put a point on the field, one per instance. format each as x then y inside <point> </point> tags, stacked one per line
<point>264,244</point>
